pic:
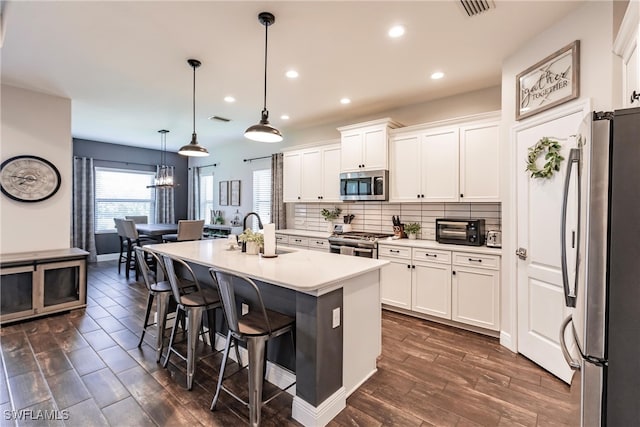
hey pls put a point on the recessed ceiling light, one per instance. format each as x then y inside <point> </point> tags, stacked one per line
<point>396,31</point>
<point>292,74</point>
<point>229,99</point>
<point>284,117</point>
<point>437,75</point>
<point>345,101</point>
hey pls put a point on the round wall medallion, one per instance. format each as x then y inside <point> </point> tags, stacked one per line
<point>29,178</point>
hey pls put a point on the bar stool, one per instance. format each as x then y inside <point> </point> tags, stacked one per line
<point>187,230</point>
<point>193,305</point>
<point>255,328</point>
<point>160,289</point>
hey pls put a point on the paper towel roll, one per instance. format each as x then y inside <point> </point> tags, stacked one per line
<point>269,239</point>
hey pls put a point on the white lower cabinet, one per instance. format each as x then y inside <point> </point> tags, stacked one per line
<point>475,290</point>
<point>459,286</point>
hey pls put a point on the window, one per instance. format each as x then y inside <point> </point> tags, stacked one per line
<point>262,196</point>
<point>206,195</point>
<point>122,192</point>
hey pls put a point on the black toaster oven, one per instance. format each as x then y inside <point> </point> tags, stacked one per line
<point>459,231</point>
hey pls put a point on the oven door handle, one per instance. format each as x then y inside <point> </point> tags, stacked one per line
<point>367,251</point>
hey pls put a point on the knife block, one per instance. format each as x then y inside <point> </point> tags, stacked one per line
<point>398,231</point>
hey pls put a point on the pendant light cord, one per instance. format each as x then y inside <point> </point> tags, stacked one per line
<point>266,35</point>
<point>194,99</point>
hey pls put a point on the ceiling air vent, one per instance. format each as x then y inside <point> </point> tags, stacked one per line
<point>220,119</point>
<point>476,7</point>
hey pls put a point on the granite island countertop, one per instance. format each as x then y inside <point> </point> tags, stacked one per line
<point>302,270</point>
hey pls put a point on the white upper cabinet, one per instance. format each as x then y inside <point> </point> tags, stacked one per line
<point>480,163</point>
<point>365,145</point>
<point>312,174</point>
<point>451,161</point>
<point>626,47</point>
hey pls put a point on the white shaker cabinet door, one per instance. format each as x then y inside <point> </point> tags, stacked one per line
<point>351,155</point>
<point>331,174</point>
<point>395,283</point>
<point>374,143</point>
<point>476,297</point>
<point>292,169</point>
<point>480,163</point>
<point>311,186</point>
<point>404,169</point>
<point>439,158</point>
<point>432,289</point>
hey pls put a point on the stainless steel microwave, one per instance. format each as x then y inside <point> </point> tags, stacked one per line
<point>368,185</point>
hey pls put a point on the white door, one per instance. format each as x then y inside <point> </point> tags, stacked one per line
<point>395,283</point>
<point>351,152</point>
<point>404,169</point>
<point>440,162</point>
<point>292,164</point>
<point>331,174</point>
<point>432,289</point>
<point>374,147</point>
<point>311,183</point>
<point>480,163</point>
<point>540,297</point>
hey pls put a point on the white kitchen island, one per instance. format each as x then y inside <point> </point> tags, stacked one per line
<point>336,302</point>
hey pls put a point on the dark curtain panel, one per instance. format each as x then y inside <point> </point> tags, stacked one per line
<point>193,209</point>
<point>278,209</point>
<point>83,215</point>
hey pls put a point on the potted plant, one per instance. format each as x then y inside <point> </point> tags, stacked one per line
<point>330,216</point>
<point>412,230</point>
<point>253,241</point>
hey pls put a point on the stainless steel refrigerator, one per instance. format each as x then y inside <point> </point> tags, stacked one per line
<point>601,267</point>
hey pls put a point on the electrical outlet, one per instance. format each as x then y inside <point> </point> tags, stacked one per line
<point>336,317</point>
<point>245,308</point>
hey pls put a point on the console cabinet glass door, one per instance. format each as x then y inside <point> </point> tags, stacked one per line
<point>61,284</point>
<point>16,292</point>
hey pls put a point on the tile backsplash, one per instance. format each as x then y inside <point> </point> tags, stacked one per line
<point>376,216</point>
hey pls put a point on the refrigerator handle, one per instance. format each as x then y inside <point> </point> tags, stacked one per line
<point>573,164</point>
<point>573,364</point>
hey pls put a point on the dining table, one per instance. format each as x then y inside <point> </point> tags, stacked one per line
<point>157,230</point>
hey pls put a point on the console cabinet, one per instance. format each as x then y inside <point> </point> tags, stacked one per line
<point>39,283</point>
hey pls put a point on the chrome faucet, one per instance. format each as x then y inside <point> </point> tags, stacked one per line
<point>244,227</point>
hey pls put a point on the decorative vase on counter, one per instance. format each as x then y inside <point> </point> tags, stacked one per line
<point>412,236</point>
<point>253,248</point>
<point>329,226</point>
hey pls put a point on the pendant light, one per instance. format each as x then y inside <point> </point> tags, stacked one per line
<point>263,131</point>
<point>163,179</point>
<point>193,149</point>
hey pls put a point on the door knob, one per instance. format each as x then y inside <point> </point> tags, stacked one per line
<point>522,253</point>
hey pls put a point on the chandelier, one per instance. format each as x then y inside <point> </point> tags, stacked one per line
<point>164,177</point>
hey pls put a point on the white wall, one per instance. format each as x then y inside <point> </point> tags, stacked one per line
<point>37,124</point>
<point>592,25</point>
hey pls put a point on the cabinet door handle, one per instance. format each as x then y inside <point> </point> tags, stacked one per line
<point>413,266</point>
<point>461,195</point>
<point>475,260</point>
<point>298,197</point>
<point>453,272</point>
<point>394,251</point>
<point>408,266</point>
<point>434,255</point>
<point>422,196</point>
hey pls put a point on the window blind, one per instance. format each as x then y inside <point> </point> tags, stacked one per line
<point>262,196</point>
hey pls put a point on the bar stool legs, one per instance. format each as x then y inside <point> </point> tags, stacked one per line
<point>162,312</point>
<point>255,347</point>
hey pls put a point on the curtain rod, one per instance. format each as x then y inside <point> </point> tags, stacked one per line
<point>205,166</point>
<point>118,161</point>
<point>256,158</point>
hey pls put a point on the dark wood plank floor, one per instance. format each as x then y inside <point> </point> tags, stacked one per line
<point>86,365</point>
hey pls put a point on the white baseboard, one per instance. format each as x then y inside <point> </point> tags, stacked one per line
<point>108,257</point>
<point>365,379</point>
<point>506,341</point>
<point>312,416</point>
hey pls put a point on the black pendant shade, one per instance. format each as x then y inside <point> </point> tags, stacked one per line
<point>193,149</point>
<point>263,131</point>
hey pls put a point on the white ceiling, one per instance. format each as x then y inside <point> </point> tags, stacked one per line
<point>123,64</point>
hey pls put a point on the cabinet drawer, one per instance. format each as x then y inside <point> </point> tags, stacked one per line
<point>322,244</point>
<point>282,239</point>
<point>299,241</point>
<point>394,251</point>
<point>476,260</point>
<point>431,255</point>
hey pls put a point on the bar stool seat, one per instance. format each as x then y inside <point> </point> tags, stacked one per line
<point>255,328</point>
<point>193,306</point>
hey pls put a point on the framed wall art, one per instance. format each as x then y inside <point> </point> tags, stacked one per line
<point>235,193</point>
<point>223,193</point>
<point>550,82</point>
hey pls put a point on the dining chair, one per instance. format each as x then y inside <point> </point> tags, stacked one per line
<point>255,328</point>
<point>193,305</point>
<point>132,238</point>
<point>122,236</point>
<point>187,230</point>
<point>138,219</point>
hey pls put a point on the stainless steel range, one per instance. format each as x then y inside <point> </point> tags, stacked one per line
<point>357,243</point>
